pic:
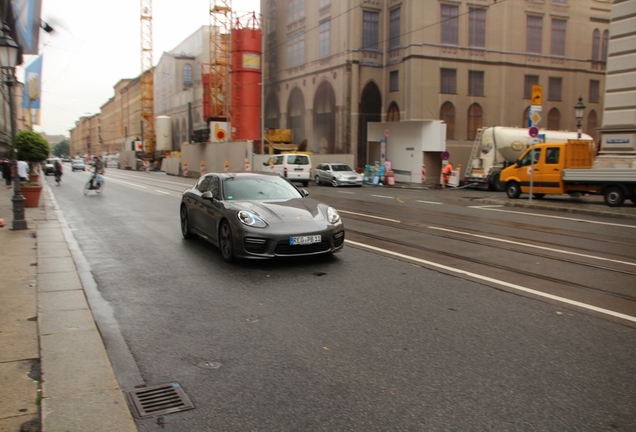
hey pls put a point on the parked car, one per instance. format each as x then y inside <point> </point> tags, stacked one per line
<point>295,167</point>
<point>337,174</point>
<point>111,161</point>
<point>78,165</point>
<point>49,166</point>
<point>259,215</point>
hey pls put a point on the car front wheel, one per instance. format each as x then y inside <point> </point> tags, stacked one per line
<point>225,242</point>
<point>513,190</point>
<point>317,179</point>
<point>185,223</point>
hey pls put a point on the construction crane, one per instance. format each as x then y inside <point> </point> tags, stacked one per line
<point>147,80</point>
<point>219,77</point>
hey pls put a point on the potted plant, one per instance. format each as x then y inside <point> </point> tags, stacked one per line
<point>32,148</point>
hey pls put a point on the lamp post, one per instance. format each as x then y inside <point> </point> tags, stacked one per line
<point>9,59</point>
<point>579,110</point>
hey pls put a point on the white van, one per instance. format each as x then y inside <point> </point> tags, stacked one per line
<point>295,167</point>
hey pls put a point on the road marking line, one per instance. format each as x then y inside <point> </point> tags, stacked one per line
<point>163,192</point>
<point>382,196</point>
<point>491,208</point>
<point>429,202</point>
<point>533,246</point>
<point>499,282</point>
<point>346,192</point>
<point>125,182</point>
<point>369,216</point>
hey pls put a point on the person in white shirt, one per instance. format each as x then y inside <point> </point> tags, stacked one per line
<point>23,170</point>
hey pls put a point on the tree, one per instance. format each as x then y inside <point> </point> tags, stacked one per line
<point>32,147</point>
<point>61,149</point>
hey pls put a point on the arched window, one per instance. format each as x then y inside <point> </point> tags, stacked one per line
<point>605,45</point>
<point>596,45</point>
<point>475,118</point>
<point>447,115</point>
<point>554,119</point>
<point>393,114</point>
<point>524,120</point>
<point>187,75</point>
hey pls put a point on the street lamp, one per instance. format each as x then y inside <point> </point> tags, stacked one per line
<point>9,59</point>
<point>579,110</point>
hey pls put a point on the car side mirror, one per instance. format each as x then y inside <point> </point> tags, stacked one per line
<point>304,192</point>
<point>207,195</point>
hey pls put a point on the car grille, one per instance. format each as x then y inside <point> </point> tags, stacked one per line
<point>338,239</point>
<point>284,248</point>
<point>255,245</point>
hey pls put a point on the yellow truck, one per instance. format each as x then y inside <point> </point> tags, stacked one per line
<point>567,168</point>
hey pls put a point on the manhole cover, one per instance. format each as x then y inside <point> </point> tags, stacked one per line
<point>159,400</point>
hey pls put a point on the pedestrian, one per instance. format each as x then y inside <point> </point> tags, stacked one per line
<point>7,172</point>
<point>446,172</point>
<point>23,170</point>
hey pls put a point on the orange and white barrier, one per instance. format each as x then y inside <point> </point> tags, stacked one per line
<point>227,165</point>
<point>202,167</point>
<point>247,165</point>
<point>185,169</point>
<point>423,173</point>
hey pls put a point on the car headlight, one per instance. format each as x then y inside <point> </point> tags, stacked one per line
<point>250,219</point>
<point>332,215</point>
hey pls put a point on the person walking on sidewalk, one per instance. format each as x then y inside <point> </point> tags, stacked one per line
<point>7,172</point>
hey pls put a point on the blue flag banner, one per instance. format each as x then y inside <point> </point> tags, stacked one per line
<point>32,84</point>
<point>26,24</point>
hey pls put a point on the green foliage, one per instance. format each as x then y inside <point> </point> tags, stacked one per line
<point>32,147</point>
<point>61,149</point>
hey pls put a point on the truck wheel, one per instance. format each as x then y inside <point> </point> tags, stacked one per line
<point>495,184</point>
<point>513,190</point>
<point>614,196</point>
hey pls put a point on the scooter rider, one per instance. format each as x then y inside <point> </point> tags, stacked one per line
<point>59,169</point>
<point>99,170</point>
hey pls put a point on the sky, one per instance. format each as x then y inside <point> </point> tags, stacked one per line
<point>96,44</point>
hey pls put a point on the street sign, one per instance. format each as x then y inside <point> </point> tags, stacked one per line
<point>533,141</point>
<point>535,118</point>
<point>537,92</point>
<point>445,155</point>
<point>386,133</point>
<point>533,131</point>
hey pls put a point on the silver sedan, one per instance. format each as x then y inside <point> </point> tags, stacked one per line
<point>337,174</point>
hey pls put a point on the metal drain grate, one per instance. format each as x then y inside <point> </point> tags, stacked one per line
<point>159,399</point>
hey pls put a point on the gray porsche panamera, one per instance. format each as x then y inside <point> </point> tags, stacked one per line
<point>259,215</point>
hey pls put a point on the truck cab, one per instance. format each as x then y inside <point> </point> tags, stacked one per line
<point>541,167</point>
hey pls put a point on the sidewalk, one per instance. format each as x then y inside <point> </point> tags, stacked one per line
<point>54,369</point>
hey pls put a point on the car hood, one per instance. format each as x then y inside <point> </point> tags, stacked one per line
<point>288,211</point>
<point>346,173</point>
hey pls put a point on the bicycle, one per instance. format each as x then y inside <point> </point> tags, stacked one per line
<point>58,178</point>
<point>96,183</point>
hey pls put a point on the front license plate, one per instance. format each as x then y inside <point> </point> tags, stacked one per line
<point>301,240</point>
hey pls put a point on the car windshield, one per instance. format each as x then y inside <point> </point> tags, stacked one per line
<point>258,188</point>
<point>78,161</point>
<point>341,167</point>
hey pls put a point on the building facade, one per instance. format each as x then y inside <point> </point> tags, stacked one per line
<point>333,66</point>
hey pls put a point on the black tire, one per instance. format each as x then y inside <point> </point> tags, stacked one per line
<point>100,188</point>
<point>225,242</point>
<point>317,179</point>
<point>539,196</point>
<point>334,183</point>
<point>614,196</point>
<point>185,223</point>
<point>495,184</point>
<point>633,199</point>
<point>513,190</point>
<point>87,187</point>
<point>305,183</point>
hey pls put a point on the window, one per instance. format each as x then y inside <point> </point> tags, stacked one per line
<point>394,83</point>
<point>477,28</point>
<point>449,81</point>
<point>370,30</point>
<point>296,50</point>
<point>554,88</point>
<point>394,29</point>
<point>596,45</point>
<point>592,124</point>
<point>605,45</point>
<point>476,83</point>
<point>393,115</point>
<point>525,121</point>
<point>450,25</point>
<point>187,75</point>
<point>324,39</point>
<point>554,119</point>
<point>562,2</point>
<point>447,115</point>
<point>552,155</point>
<point>528,82</point>
<point>324,3</point>
<point>295,10</point>
<point>557,45</point>
<point>534,31</point>
<point>475,116</point>
<point>594,95</point>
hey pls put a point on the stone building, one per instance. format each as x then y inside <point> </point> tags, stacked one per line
<point>330,67</point>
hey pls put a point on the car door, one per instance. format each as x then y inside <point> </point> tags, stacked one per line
<point>194,203</point>
<point>212,209</point>
<point>547,172</point>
